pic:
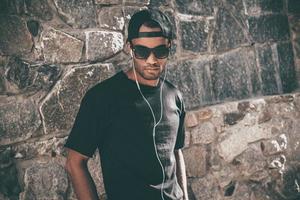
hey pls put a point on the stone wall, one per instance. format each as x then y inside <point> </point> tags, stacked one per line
<point>52,51</point>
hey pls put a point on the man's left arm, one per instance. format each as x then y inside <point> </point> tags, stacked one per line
<point>181,173</point>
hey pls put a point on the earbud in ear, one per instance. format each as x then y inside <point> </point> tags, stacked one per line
<point>131,54</point>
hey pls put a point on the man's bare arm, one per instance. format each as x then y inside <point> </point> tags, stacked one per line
<point>84,186</point>
<point>180,173</point>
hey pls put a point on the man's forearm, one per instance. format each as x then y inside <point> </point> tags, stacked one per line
<point>180,173</point>
<point>83,183</point>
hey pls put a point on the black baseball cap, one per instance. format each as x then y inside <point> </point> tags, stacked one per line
<point>140,17</point>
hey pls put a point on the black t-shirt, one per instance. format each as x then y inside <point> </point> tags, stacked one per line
<point>114,118</point>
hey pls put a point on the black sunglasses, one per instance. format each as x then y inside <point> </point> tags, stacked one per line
<point>142,52</point>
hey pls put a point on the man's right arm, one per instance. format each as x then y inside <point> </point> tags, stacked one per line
<point>84,186</point>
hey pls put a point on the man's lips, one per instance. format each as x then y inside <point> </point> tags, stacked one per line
<point>152,68</point>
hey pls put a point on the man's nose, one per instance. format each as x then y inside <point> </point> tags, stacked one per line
<point>151,59</point>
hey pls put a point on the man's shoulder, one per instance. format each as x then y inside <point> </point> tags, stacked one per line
<point>171,87</point>
<point>106,85</point>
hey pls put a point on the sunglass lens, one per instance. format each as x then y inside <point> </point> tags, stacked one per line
<point>161,51</point>
<point>141,52</point>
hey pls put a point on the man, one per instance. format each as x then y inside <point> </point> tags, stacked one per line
<point>136,120</point>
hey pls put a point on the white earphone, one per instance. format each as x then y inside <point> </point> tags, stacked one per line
<point>155,122</point>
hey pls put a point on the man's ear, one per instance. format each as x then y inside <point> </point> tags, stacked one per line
<point>127,48</point>
<point>169,43</point>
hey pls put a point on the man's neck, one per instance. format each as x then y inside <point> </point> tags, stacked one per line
<point>131,76</point>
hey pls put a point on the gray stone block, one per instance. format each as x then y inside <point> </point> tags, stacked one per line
<point>19,119</point>
<point>108,2</point>
<point>205,188</point>
<point>239,139</point>
<point>193,80</point>
<point>63,102</point>
<point>59,47</point>
<point>77,13</point>
<point>197,167</point>
<point>269,28</point>
<point>111,18</point>
<point>228,33</point>
<point>9,7</point>
<point>103,44</point>
<point>157,3</point>
<point>293,6</point>
<point>257,7</point>
<point>195,7</point>
<point>9,184</point>
<point>53,147</point>
<point>204,133</point>
<point>45,181</point>
<point>23,77</point>
<point>39,8</point>
<point>15,39</point>
<point>287,67</point>
<point>33,27</point>
<point>19,73</point>
<point>137,2</point>
<point>194,35</point>
<point>267,69</point>
<point>232,74</point>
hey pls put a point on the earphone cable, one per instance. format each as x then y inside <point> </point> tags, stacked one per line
<point>154,121</point>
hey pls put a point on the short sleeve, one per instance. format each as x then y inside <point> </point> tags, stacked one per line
<point>83,137</point>
<point>181,129</point>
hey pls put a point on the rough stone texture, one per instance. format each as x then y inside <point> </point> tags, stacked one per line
<point>233,73</point>
<point>233,117</point>
<point>252,163</point>
<point>15,39</point>
<point>60,47</point>
<point>192,78</point>
<point>103,44</point>
<point>18,73</point>
<point>274,146</point>
<point>63,101</point>
<point>19,119</point>
<point>12,7</point>
<point>108,2</point>
<point>33,27</point>
<point>205,188</point>
<point>269,28</point>
<point>77,13</point>
<point>22,76</point>
<point>238,139</point>
<point>52,147</point>
<point>228,33</point>
<point>113,23</point>
<point>205,133</point>
<point>293,6</point>
<point>157,3</point>
<point>39,8</point>
<point>195,7</point>
<point>254,7</point>
<point>137,2</point>
<point>268,69</point>
<point>45,181</point>
<point>3,62</point>
<point>295,29</point>
<point>9,185</point>
<point>287,67</point>
<point>196,167</point>
<point>224,50</point>
<point>194,35</point>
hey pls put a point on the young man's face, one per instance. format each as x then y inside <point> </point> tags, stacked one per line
<point>149,69</point>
